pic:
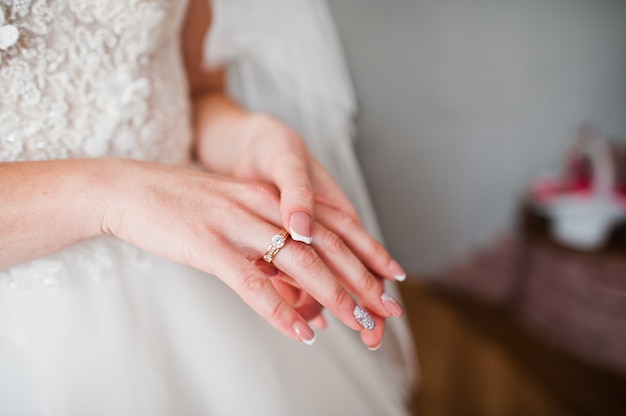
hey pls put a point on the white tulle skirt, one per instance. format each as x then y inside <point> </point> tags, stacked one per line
<point>163,339</point>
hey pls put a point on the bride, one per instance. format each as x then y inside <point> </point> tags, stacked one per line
<point>145,259</point>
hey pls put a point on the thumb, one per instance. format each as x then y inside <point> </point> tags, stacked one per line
<point>297,198</point>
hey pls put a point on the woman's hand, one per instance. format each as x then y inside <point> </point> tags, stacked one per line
<point>235,142</point>
<point>232,141</point>
<point>265,150</point>
<point>223,226</point>
<point>260,148</point>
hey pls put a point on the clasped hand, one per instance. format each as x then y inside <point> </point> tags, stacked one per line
<point>222,223</point>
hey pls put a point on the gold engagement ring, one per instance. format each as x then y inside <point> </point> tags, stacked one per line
<point>278,241</point>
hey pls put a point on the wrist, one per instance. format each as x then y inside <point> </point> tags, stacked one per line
<point>50,205</point>
<point>225,132</point>
<point>115,186</point>
<point>91,191</point>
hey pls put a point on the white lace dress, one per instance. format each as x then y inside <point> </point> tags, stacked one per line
<point>103,328</point>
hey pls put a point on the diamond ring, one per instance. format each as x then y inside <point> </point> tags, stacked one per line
<point>278,241</point>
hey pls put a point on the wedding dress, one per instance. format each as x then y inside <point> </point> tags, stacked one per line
<point>103,328</point>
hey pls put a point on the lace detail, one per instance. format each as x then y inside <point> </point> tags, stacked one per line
<point>90,78</point>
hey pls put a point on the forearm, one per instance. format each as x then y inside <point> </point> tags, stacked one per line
<point>46,206</point>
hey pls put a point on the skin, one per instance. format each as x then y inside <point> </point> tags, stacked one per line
<point>258,174</point>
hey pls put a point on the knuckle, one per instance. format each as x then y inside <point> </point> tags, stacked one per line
<point>340,296</point>
<point>301,191</point>
<point>306,257</point>
<point>348,221</point>
<point>333,242</point>
<point>278,311</point>
<point>253,282</point>
<point>367,282</point>
<point>380,252</point>
<point>263,189</point>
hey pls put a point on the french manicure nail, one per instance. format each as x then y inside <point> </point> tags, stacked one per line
<point>300,227</point>
<point>398,272</point>
<point>375,347</point>
<point>363,318</point>
<point>304,332</point>
<point>392,305</point>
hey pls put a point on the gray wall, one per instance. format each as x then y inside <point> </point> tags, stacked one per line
<point>462,102</point>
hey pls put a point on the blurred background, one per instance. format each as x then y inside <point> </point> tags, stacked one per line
<point>462,106</point>
<point>462,103</point>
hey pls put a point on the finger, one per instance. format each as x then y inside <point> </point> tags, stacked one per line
<point>358,279</point>
<point>267,269</point>
<point>373,339</point>
<point>304,303</point>
<point>302,262</point>
<point>297,260</point>
<point>258,292</point>
<point>308,307</point>
<point>297,198</point>
<point>370,251</point>
<point>328,191</point>
<point>319,322</point>
<point>287,287</point>
<point>288,279</point>
<point>287,291</point>
<point>350,271</point>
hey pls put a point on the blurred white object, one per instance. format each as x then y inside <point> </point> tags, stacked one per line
<point>584,224</point>
<point>584,221</point>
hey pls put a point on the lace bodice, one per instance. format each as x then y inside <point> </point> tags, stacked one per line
<point>90,78</point>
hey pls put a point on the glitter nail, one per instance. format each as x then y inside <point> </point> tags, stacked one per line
<point>363,318</point>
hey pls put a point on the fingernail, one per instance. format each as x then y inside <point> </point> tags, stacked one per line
<point>398,272</point>
<point>363,318</point>
<point>304,332</point>
<point>375,347</point>
<point>300,227</point>
<point>392,305</point>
